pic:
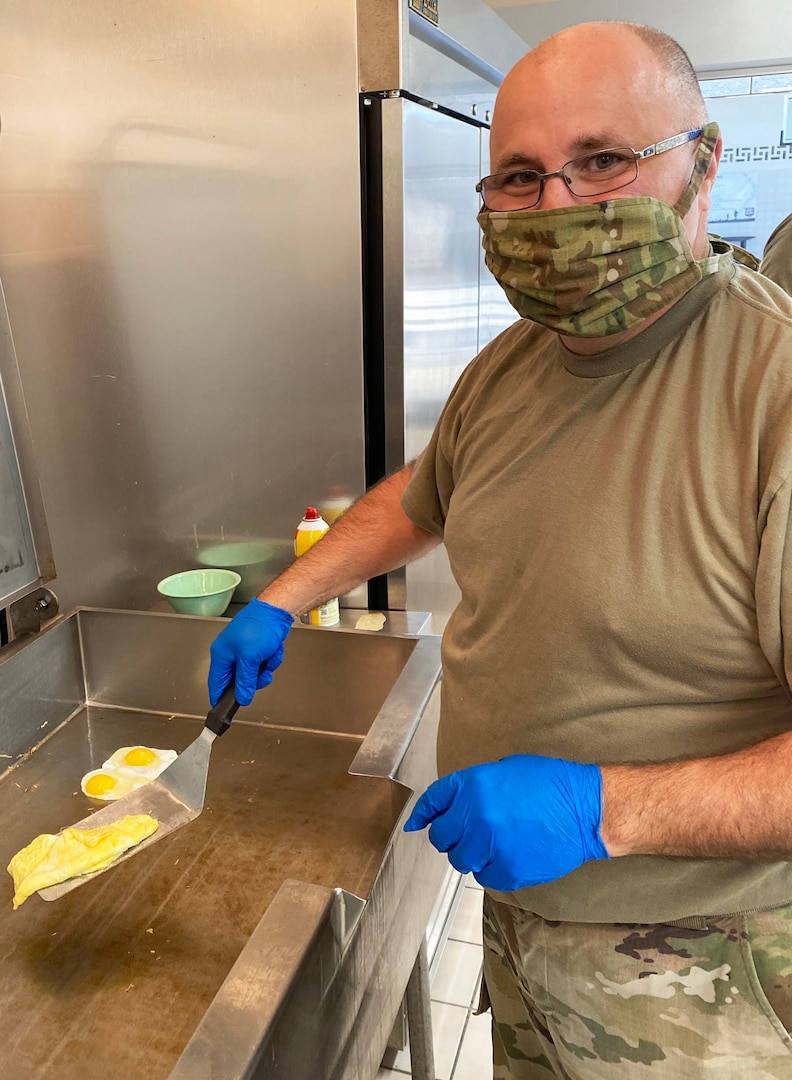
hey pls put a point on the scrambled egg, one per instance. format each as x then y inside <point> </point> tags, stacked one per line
<point>51,859</point>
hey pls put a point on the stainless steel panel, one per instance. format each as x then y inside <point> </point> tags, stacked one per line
<point>382,35</point>
<point>25,553</point>
<point>458,64</point>
<point>393,302</point>
<point>441,246</point>
<point>391,734</point>
<point>440,69</point>
<point>478,29</point>
<point>18,569</point>
<point>333,680</point>
<point>180,250</point>
<point>255,993</point>
<point>431,256</point>
<point>41,685</point>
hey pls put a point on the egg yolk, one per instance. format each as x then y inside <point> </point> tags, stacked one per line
<point>140,755</point>
<point>100,784</point>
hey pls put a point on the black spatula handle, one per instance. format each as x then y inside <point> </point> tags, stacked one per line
<point>219,717</point>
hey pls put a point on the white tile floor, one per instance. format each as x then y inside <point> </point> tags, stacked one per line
<point>462,1045</point>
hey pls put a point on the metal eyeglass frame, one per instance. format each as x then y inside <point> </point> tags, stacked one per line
<point>638,155</point>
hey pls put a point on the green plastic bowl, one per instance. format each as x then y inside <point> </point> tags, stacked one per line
<point>250,559</point>
<point>199,592</point>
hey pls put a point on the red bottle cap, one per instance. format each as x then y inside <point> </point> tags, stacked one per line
<point>311,514</point>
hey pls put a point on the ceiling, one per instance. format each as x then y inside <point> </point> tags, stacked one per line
<point>534,20</point>
<point>498,4</point>
<point>718,35</point>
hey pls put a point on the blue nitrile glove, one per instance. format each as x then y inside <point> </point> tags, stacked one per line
<point>520,821</point>
<point>252,646</point>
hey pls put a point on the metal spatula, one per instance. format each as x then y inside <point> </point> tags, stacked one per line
<point>174,798</point>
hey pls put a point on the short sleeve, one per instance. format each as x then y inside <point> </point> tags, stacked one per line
<point>428,494</point>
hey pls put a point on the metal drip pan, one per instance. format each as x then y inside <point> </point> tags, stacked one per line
<point>220,942</point>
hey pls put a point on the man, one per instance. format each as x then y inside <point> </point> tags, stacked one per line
<point>616,733</point>
<point>777,255</point>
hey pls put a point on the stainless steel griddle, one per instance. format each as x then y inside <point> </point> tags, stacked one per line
<point>117,977</point>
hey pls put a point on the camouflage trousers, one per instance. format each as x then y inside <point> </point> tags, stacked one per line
<point>588,1001</point>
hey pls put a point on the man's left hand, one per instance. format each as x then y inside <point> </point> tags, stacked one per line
<point>523,820</point>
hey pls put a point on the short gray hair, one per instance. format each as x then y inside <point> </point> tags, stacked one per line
<point>682,75</point>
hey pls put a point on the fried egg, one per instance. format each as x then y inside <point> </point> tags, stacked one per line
<point>141,760</point>
<point>53,858</point>
<point>109,784</point>
<point>127,769</point>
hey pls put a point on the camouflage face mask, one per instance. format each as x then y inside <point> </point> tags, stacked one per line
<point>598,268</point>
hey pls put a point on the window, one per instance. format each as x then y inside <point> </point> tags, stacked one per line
<point>753,189</point>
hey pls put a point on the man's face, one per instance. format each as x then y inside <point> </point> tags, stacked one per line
<point>558,104</point>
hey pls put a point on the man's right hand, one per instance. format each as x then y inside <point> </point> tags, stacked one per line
<point>250,648</point>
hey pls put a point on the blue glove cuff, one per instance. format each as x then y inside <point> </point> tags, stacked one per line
<point>586,780</point>
<point>261,606</point>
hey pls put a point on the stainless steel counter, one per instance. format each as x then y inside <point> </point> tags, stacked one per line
<point>272,937</point>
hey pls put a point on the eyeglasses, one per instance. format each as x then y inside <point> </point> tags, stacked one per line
<point>589,174</point>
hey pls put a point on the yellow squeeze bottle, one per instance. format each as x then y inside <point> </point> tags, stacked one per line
<point>334,505</point>
<point>312,528</point>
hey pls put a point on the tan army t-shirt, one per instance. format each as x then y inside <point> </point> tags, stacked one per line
<point>777,255</point>
<point>618,527</point>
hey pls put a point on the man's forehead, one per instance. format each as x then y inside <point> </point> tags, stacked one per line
<point>621,97</point>
<point>527,151</point>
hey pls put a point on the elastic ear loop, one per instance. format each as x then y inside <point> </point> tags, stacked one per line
<point>709,140</point>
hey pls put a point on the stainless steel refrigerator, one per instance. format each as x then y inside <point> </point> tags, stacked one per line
<point>241,266</point>
<point>427,305</point>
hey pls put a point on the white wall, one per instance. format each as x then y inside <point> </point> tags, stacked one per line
<point>715,33</point>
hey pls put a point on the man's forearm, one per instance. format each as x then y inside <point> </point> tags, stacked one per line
<point>372,537</point>
<point>736,806</point>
